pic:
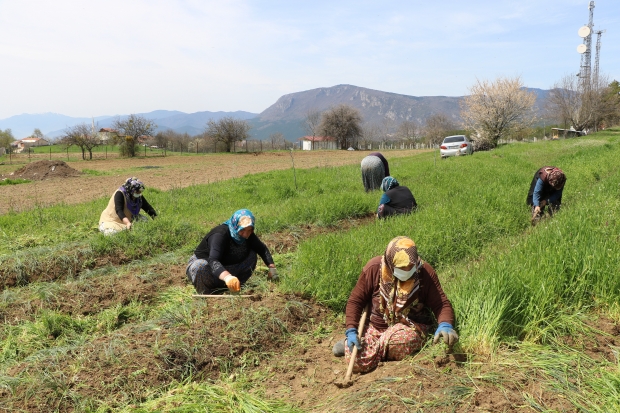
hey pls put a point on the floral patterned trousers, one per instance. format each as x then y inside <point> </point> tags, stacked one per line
<point>393,344</point>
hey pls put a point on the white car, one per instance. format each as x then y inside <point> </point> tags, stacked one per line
<point>456,145</point>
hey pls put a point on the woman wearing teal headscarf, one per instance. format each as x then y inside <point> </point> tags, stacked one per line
<point>226,256</point>
<point>397,199</point>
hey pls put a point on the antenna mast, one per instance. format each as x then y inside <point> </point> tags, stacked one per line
<point>596,57</point>
<point>586,57</point>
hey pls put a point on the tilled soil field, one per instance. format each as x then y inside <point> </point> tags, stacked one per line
<point>163,173</point>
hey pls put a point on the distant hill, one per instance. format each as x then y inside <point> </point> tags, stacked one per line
<point>53,124</point>
<point>287,114</point>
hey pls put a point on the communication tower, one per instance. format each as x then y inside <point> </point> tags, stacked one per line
<point>599,33</point>
<point>585,48</point>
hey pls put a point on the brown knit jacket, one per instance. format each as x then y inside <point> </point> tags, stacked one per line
<point>430,295</point>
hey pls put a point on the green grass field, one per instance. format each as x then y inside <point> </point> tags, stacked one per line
<point>519,291</point>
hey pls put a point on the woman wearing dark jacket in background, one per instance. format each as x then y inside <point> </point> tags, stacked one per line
<point>396,200</point>
<point>226,256</point>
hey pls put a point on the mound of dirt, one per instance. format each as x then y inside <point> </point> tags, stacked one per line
<point>40,170</point>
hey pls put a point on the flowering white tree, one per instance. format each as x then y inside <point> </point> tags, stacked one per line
<point>495,109</point>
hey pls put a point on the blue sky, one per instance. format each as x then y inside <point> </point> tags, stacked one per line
<point>108,57</point>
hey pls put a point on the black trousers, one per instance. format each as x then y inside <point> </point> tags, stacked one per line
<point>199,273</point>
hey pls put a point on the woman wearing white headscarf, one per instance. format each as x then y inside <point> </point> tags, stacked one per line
<point>400,289</point>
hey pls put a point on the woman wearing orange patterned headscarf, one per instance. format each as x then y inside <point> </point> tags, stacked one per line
<point>401,289</point>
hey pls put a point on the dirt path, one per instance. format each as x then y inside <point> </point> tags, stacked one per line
<point>165,173</point>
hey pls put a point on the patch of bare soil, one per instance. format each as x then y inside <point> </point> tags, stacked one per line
<point>165,173</point>
<point>42,170</point>
<point>88,297</point>
<point>212,338</point>
<point>16,271</point>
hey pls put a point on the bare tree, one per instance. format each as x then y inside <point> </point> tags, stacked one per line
<point>387,128</point>
<point>436,128</point>
<point>369,133</point>
<point>495,109</point>
<point>228,130</point>
<point>277,141</point>
<point>580,104</point>
<point>343,123</point>
<point>82,136</point>
<point>37,133</point>
<point>129,130</point>
<point>162,138</point>
<point>408,131</point>
<point>311,123</point>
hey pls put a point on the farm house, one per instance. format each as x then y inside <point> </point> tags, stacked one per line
<point>309,143</point>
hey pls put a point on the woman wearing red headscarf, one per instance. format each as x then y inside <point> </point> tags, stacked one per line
<point>401,291</point>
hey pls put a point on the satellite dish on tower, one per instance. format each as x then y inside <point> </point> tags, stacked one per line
<point>582,48</point>
<point>584,31</point>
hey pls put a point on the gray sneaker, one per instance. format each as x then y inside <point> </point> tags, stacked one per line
<point>338,348</point>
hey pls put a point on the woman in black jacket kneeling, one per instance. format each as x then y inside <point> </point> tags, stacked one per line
<point>396,200</point>
<point>226,256</point>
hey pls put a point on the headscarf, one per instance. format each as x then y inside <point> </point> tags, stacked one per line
<point>129,188</point>
<point>397,297</point>
<point>241,219</point>
<point>557,179</point>
<point>388,183</point>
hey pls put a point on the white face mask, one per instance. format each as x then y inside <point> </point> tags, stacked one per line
<point>136,195</point>
<point>405,275</point>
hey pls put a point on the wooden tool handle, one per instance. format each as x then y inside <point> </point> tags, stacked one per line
<point>360,330</point>
<point>220,296</point>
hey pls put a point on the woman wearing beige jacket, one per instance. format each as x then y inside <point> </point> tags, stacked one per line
<point>124,208</point>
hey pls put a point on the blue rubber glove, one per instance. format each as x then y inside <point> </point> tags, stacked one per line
<point>352,339</point>
<point>446,331</point>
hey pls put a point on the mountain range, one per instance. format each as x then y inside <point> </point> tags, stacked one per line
<point>286,115</point>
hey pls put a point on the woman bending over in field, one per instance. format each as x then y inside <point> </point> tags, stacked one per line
<point>399,291</point>
<point>397,199</point>
<point>124,208</point>
<point>374,168</point>
<point>226,256</point>
<point>546,189</point>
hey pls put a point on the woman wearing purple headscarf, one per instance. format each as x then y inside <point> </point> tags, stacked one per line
<point>124,208</point>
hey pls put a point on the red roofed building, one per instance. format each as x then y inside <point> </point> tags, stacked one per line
<point>106,134</point>
<point>309,143</point>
